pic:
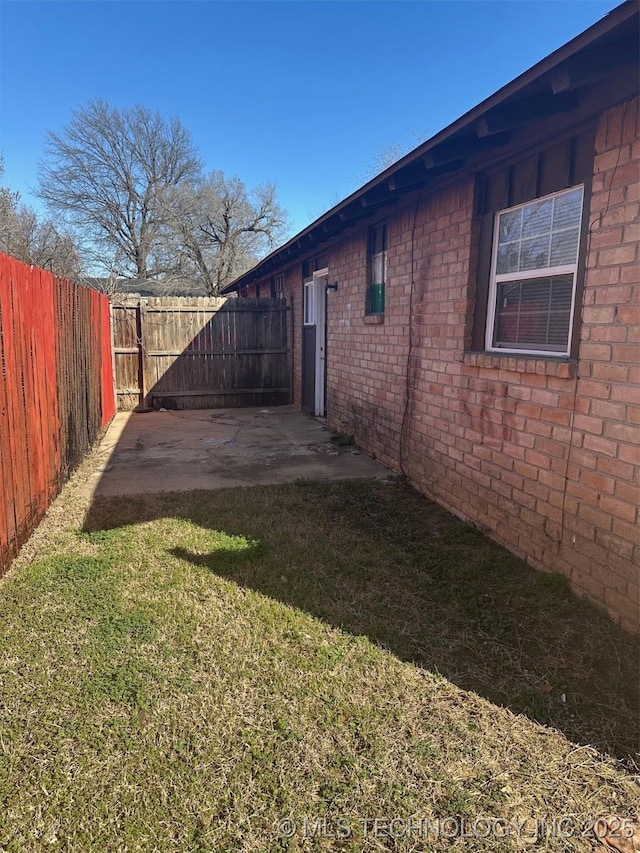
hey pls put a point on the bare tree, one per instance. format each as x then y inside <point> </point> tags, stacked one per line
<point>108,175</point>
<point>27,237</point>
<point>222,228</point>
<point>8,203</point>
<point>391,153</point>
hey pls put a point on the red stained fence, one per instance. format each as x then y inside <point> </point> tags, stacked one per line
<point>56,390</point>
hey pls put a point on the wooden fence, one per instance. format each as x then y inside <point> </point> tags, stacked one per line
<point>185,352</point>
<point>56,390</point>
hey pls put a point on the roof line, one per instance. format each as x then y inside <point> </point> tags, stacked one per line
<point>612,19</point>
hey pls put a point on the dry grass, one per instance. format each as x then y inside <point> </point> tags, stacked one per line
<point>189,669</point>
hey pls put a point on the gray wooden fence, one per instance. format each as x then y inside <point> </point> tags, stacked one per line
<point>202,352</point>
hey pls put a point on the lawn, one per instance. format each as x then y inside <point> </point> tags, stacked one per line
<point>182,672</point>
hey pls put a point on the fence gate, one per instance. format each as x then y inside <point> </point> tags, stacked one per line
<point>190,353</point>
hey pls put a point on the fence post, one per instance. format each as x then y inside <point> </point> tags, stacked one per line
<point>141,313</point>
<point>113,353</point>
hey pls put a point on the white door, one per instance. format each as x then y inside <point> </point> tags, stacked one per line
<point>320,280</point>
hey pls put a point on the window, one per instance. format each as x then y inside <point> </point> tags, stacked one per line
<point>312,265</point>
<point>532,224</point>
<point>377,270</point>
<point>309,303</point>
<point>277,286</point>
<point>533,275</point>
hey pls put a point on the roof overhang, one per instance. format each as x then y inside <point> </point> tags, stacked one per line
<point>554,86</point>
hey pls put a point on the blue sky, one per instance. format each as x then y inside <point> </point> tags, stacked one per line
<point>304,94</point>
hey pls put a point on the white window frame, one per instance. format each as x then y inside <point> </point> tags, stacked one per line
<point>541,272</point>
<point>309,307</point>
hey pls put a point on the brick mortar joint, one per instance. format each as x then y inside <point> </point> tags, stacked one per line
<point>559,367</point>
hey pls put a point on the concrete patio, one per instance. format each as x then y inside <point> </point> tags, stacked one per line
<point>214,449</point>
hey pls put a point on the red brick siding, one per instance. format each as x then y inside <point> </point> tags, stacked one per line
<point>293,295</point>
<point>604,474</point>
<point>542,453</point>
<point>366,363</point>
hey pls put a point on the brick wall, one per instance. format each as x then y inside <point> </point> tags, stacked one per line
<point>542,453</point>
<point>604,472</point>
<point>293,295</point>
<point>366,361</point>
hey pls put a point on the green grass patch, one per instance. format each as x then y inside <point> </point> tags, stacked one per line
<point>190,669</point>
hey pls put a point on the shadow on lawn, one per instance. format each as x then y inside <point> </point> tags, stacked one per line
<point>378,559</point>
